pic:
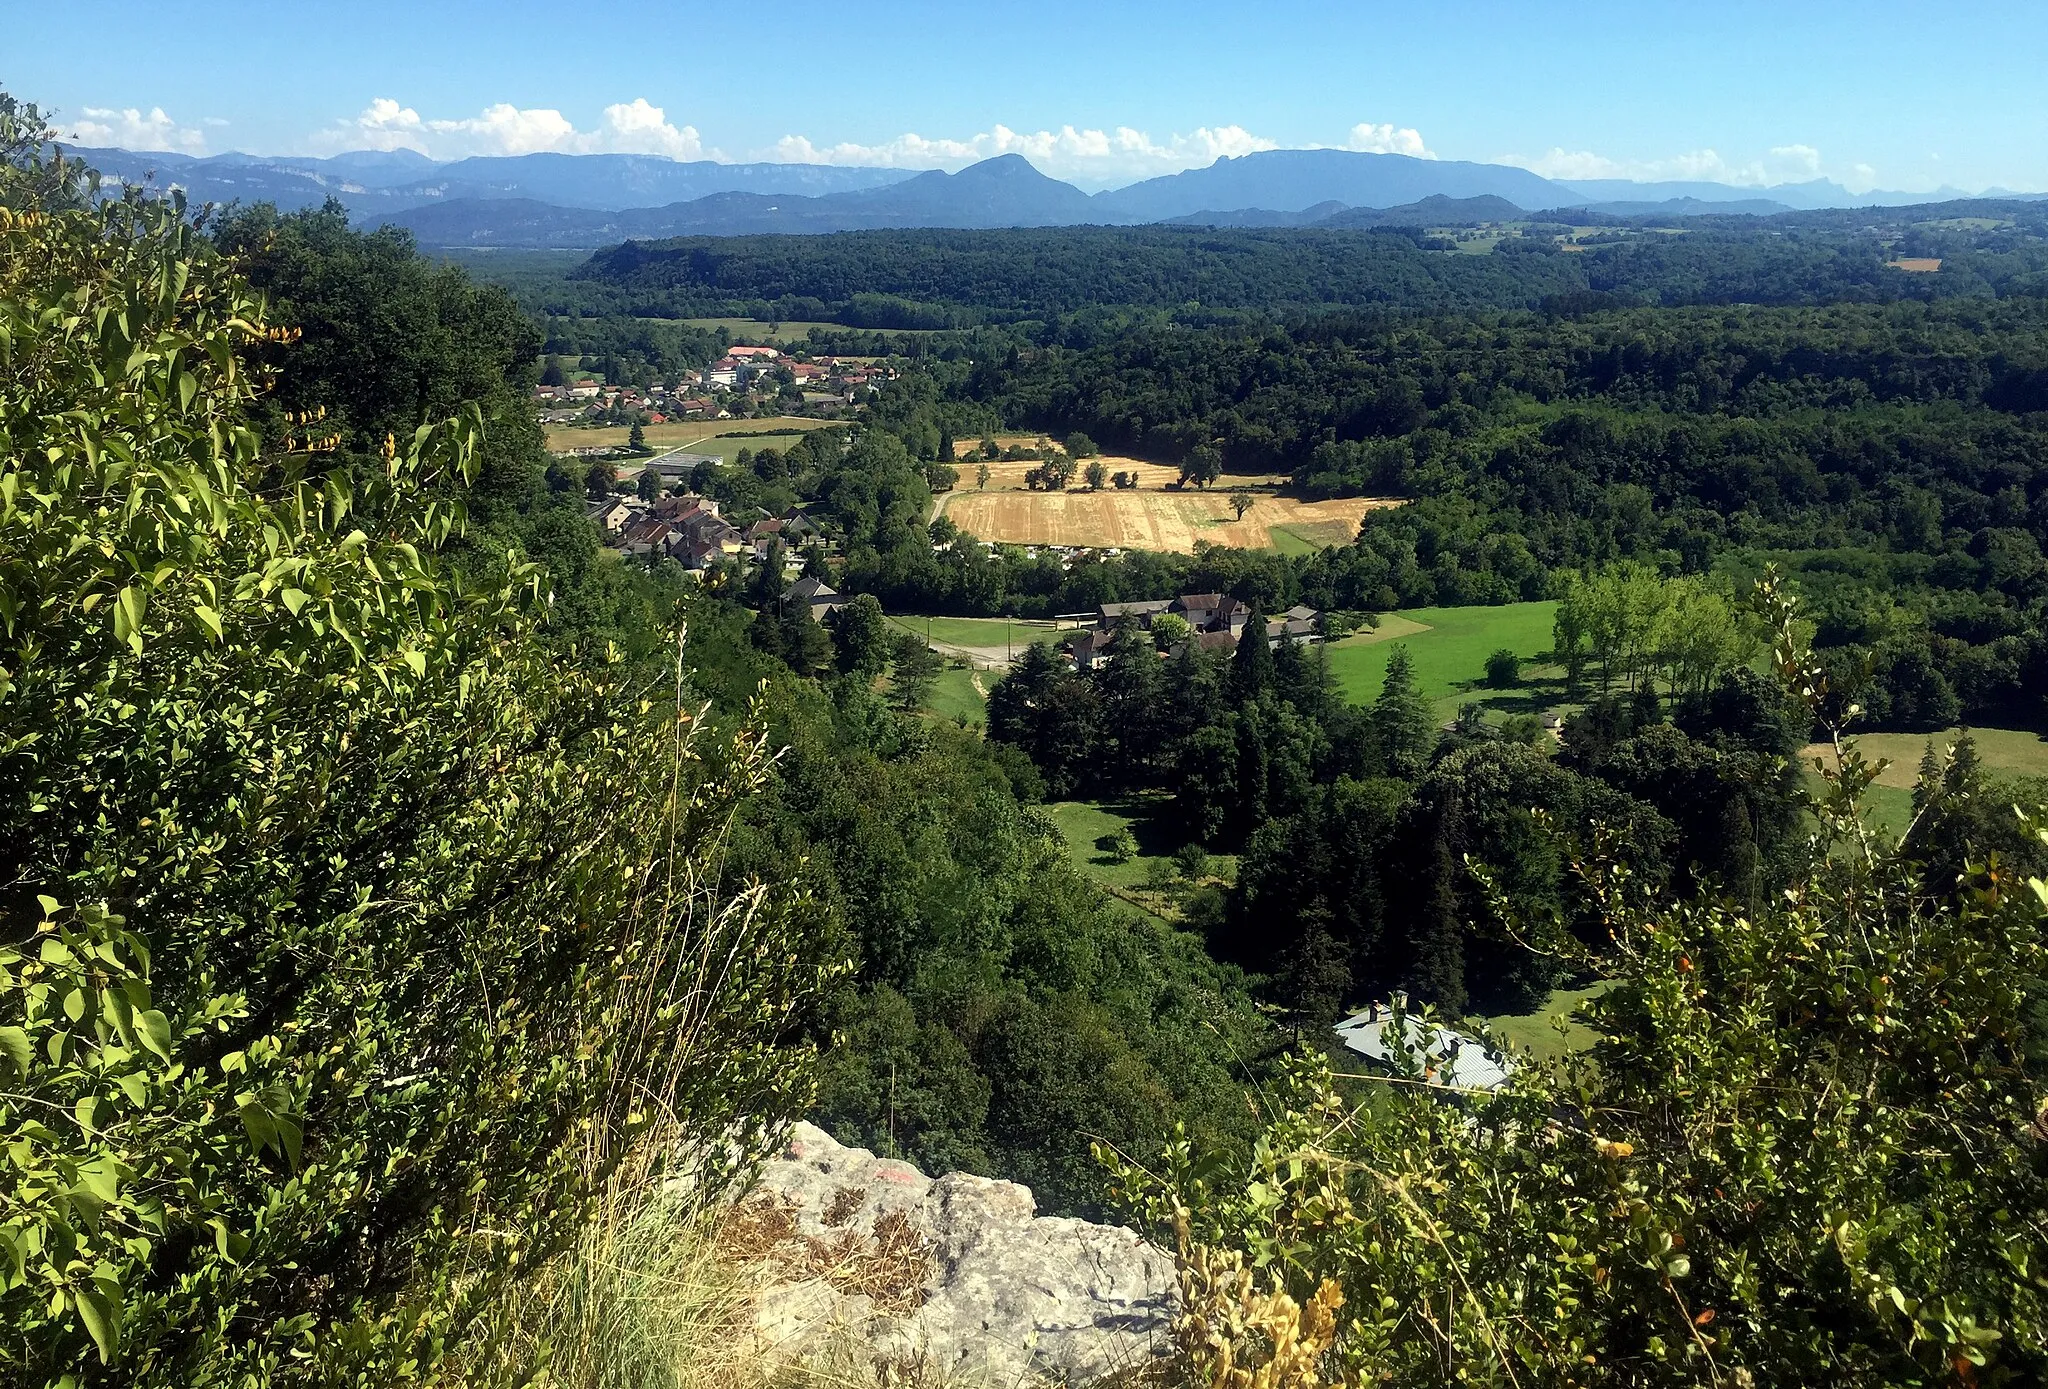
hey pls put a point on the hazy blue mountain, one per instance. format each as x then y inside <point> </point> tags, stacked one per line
<point>1260,217</point>
<point>375,182</point>
<point>1290,180</point>
<point>1436,210</point>
<point>1690,207</point>
<point>1002,192</point>
<point>617,181</point>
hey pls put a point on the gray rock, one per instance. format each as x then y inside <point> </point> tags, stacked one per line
<point>958,1275</point>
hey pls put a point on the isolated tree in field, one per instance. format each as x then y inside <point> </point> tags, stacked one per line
<point>861,632</point>
<point>981,476</point>
<point>1191,861</point>
<point>1503,669</point>
<point>1079,445</point>
<point>1097,474</point>
<point>1202,466</point>
<point>1241,501</point>
<point>1123,846</point>
<point>990,450</point>
<point>647,485</point>
<point>636,437</point>
<point>1402,721</point>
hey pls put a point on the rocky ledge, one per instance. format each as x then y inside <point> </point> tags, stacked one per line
<point>954,1277</point>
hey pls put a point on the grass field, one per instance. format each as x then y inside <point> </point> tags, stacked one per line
<point>682,433</point>
<point>2007,753</point>
<point>755,331</point>
<point>973,631</point>
<point>1449,647</point>
<point>954,696</point>
<point>1089,825</point>
<point>1532,1032</point>
<point>727,446</point>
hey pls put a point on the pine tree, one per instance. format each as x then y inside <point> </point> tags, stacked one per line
<point>807,647</point>
<point>1315,973</point>
<point>1436,946</point>
<point>1402,720</point>
<point>1251,670</point>
<point>1252,774</point>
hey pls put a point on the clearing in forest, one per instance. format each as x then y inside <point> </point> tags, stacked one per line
<point>1449,647</point>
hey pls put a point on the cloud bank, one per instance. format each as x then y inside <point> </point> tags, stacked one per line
<point>631,127</point>
<point>1083,156</point>
<point>129,128</point>
<point>1794,163</point>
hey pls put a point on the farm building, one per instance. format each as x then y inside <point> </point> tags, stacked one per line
<point>1390,1038</point>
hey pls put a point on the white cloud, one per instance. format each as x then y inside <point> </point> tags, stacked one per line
<point>1387,139</point>
<point>633,127</point>
<point>1783,164</point>
<point>1084,156</point>
<point>131,129</point>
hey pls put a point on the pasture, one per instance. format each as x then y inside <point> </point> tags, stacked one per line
<point>976,634</point>
<point>956,696</point>
<point>2007,754</point>
<point>685,433</point>
<point>1449,647</point>
<point>753,330</point>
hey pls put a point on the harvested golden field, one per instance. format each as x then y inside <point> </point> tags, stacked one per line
<point>1916,265</point>
<point>1151,518</point>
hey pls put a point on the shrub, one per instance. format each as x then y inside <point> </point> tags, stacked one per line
<point>1503,669</point>
<point>354,938</point>
<point>1806,1149</point>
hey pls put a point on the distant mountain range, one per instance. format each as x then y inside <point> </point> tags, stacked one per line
<point>579,201</point>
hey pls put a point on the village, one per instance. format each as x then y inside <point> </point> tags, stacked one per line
<point>748,382</point>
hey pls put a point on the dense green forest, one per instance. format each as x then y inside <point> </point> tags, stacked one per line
<point>942,279</point>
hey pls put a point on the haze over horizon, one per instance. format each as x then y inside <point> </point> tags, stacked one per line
<point>1872,97</point>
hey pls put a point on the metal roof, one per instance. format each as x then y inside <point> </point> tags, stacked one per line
<point>1444,1056</point>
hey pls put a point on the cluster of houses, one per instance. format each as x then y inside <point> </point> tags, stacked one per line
<point>689,529</point>
<point>1216,622</point>
<point>738,385</point>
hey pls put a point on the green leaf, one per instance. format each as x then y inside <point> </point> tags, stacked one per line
<point>128,612</point>
<point>102,1317</point>
<point>154,1031</point>
<point>210,618</point>
<point>295,599</point>
<point>14,1042</point>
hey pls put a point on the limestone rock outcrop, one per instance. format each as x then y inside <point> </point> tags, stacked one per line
<point>955,1276</point>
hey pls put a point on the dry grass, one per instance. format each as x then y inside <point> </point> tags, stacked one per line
<point>888,1262</point>
<point>1150,517</point>
<point>1916,265</point>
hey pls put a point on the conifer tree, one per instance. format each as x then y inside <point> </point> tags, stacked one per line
<point>1401,718</point>
<point>1251,670</point>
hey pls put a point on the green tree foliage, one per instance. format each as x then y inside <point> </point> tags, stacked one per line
<point>913,672</point>
<point>861,633</point>
<point>1800,1152</point>
<point>335,980</point>
<point>1401,719</point>
<point>1503,669</point>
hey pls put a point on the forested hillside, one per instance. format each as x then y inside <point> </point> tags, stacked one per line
<point>406,890</point>
<point>936,279</point>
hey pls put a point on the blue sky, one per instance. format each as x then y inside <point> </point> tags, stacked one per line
<point>1874,94</point>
